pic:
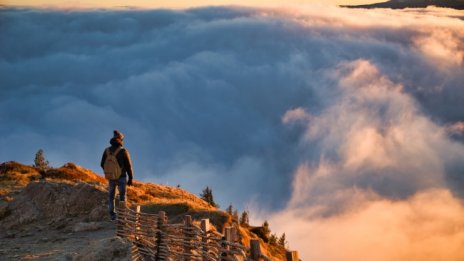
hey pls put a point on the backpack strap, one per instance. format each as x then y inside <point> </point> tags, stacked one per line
<point>108,151</point>
<point>117,151</point>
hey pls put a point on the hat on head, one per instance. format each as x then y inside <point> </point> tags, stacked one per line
<point>117,138</point>
<point>118,135</point>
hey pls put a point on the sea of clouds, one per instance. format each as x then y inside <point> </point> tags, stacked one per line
<point>343,128</point>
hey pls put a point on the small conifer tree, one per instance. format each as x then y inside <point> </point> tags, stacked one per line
<point>40,162</point>
<point>273,239</point>
<point>233,213</point>
<point>266,229</point>
<point>235,216</point>
<point>282,240</point>
<point>207,195</point>
<point>244,219</point>
<point>229,209</point>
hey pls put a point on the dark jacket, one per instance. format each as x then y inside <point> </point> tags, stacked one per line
<point>123,158</point>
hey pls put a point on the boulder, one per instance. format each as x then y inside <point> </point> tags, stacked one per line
<point>99,213</point>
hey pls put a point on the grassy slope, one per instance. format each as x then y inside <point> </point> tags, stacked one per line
<point>152,197</point>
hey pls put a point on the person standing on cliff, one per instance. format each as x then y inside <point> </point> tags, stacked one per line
<point>117,165</point>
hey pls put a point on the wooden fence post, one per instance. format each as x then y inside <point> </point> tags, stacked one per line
<point>292,256</point>
<point>205,228</point>
<point>225,247</point>
<point>161,253</point>
<point>234,232</point>
<point>187,236</point>
<point>137,223</point>
<point>255,250</point>
<point>121,215</point>
<point>228,234</point>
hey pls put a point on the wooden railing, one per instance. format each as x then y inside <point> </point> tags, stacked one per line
<point>153,238</point>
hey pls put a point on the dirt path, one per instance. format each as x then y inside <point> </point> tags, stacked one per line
<point>63,240</point>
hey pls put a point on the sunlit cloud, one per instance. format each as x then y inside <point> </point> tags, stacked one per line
<point>378,191</point>
<point>296,115</point>
<point>426,226</point>
<point>456,128</point>
<point>442,47</point>
<point>374,138</point>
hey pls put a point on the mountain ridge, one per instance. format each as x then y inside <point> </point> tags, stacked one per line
<point>62,213</point>
<point>401,4</point>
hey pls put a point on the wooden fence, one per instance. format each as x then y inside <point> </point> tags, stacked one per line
<point>153,238</point>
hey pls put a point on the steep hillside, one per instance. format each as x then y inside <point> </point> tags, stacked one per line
<point>58,213</point>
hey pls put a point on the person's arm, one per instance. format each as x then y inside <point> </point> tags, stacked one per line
<point>128,165</point>
<point>102,163</point>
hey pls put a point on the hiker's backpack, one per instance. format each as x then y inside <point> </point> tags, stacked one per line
<point>111,166</point>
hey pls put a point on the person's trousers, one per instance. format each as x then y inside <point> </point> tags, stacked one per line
<point>121,184</point>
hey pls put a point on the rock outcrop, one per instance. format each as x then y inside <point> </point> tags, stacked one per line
<point>54,201</point>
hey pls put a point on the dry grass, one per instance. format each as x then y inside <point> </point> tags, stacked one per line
<point>146,193</point>
<point>276,252</point>
<point>72,172</point>
<point>15,176</point>
<point>273,252</point>
<point>153,198</point>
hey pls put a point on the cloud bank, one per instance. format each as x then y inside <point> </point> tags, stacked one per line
<point>379,189</point>
<point>346,122</point>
